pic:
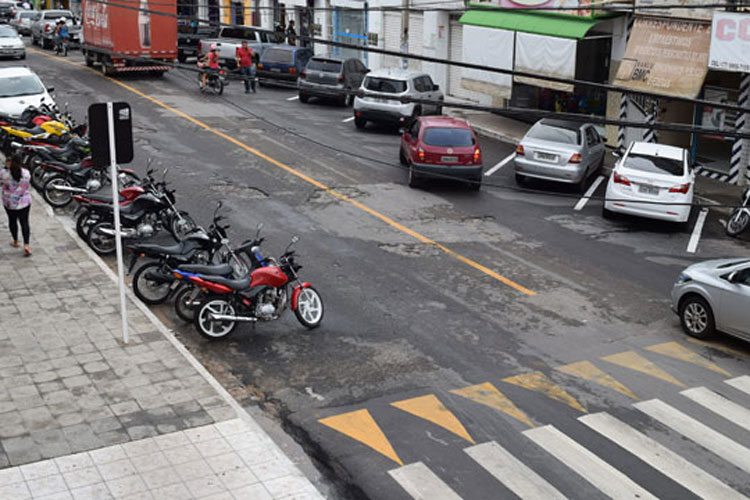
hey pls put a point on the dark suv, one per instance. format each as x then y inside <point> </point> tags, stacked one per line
<point>6,11</point>
<point>324,75</point>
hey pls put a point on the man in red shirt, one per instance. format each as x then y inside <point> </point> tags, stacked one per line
<point>246,65</point>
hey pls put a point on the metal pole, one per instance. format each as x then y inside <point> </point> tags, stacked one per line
<point>738,162</point>
<point>624,100</point>
<point>116,205</point>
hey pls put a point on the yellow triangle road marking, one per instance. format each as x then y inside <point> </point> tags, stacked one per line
<point>539,382</point>
<point>589,371</point>
<point>634,361</point>
<point>431,409</point>
<point>359,425</point>
<point>488,395</point>
<point>678,351</point>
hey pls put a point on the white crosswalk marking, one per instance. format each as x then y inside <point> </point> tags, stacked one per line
<point>593,469</point>
<point>515,475</point>
<point>421,483</point>
<point>719,405</point>
<point>705,436</point>
<point>660,458</point>
<point>740,383</point>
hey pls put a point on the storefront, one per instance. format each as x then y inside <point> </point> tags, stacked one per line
<point>350,26</point>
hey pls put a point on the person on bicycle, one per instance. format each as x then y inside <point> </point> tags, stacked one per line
<point>61,34</point>
<point>213,63</point>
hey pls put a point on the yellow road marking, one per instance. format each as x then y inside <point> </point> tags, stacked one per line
<point>360,426</point>
<point>636,362</point>
<point>718,347</point>
<point>431,409</point>
<point>396,225</point>
<point>488,395</point>
<point>539,382</point>
<point>678,351</point>
<point>589,371</point>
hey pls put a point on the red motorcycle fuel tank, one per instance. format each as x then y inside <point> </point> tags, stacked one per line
<point>268,276</point>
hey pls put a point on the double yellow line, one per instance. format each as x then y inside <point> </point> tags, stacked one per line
<point>419,237</point>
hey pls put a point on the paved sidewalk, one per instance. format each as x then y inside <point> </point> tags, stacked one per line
<point>84,416</point>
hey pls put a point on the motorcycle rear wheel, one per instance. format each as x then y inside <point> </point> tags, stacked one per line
<point>38,177</point>
<point>309,309</point>
<point>150,292</point>
<point>84,223</point>
<point>102,244</point>
<point>185,302</point>
<point>211,329</point>
<point>57,199</point>
<point>738,222</point>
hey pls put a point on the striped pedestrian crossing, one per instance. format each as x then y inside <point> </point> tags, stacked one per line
<point>719,405</point>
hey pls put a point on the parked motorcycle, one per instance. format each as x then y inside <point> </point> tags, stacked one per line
<point>261,295</point>
<point>85,218</point>
<point>83,178</point>
<point>740,219</point>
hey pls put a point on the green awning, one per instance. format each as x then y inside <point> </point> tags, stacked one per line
<point>529,22</point>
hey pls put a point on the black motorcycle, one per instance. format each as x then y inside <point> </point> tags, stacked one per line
<point>740,219</point>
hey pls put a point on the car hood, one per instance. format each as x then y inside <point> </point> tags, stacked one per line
<point>714,264</point>
<point>15,105</point>
<point>11,42</point>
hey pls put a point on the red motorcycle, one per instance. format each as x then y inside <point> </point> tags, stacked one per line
<point>260,295</point>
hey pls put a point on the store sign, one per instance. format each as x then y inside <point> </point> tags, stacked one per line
<point>690,9</point>
<point>666,57</point>
<point>537,4</point>
<point>730,42</point>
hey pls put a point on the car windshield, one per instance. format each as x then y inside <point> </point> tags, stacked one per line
<point>25,15</point>
<point>544,132</point>
<point>57,15</point>
<point>386,85</point>
<point>654,164</point>
<point>14,86</point>
<point>448,137</point>
<point>7,32</point>
<point>325,65</point>
<point>278,56</point>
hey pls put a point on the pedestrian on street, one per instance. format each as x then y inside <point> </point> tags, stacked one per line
<point>291,34</point>
<point>17,200</point>
<point>246,64</point>
<point>26,5</point>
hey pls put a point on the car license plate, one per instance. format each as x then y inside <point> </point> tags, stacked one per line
<point>381,99</point>
<point>546,157</point>
<point>449,159</point>
<point>276,70</point>
<point>646,189</point>
<point>321,75</point>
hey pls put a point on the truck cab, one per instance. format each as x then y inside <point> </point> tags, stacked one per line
<point>230,38</point>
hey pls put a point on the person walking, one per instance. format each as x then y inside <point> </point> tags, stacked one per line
<point>291,33</point>
<point>246,64</point>
<point>17,200</point>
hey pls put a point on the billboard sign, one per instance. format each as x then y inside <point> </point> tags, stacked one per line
<point>730,42</point>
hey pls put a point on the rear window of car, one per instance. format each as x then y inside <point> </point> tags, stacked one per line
<point>654,164</point>
<point>544,132</point>
<point>278,56</point>
<point>448,137</point>
<point>57,15</point>
<point>387,85</point>
<point>325,65</point>
<point>24,15</point>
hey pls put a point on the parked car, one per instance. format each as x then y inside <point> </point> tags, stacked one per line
<point>19,88</point>
<point>714,295</point>
<point>440,147</point>
<point>283,62</point>
<point>189,38</point>
<point>6,11</point>
<point>43,29</point>
<point>324,75</point>
<point>23,19</point>
<point>652,173</point>
<point>385,89</point>
<point>230,38</point>
<point>11,43</point>
<point>560,151</point>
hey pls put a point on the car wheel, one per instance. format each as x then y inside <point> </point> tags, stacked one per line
<point>348,100</point>
<point>439,110</point>
<point>521,180</point>
<point>304,98</point>
<point>359,122</point>
<point>474,184</point>
<point>402,158</point>
<point>583,184</point>
<point>696,317</point>
<point>413,178</point>
<point>607,214</point>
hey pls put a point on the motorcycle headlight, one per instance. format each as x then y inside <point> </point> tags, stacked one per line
<point>93,185</point>
<point>684,278</point>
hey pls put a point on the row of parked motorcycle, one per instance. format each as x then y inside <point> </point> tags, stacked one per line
<point>212,283</point>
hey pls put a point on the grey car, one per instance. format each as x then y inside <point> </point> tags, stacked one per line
<point>714,295</point>
<point>561,151</point>
<point>324,75</point>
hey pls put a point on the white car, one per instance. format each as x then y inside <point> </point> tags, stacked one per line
<point>21,88</point>
<point>648,179</point>
<point>11,44</point>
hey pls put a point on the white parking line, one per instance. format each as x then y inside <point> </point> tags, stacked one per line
<point>348,119</point>
<point>589,193</point>
<point>697,230</point>
<point>292,98</point>
<point>500,165</point>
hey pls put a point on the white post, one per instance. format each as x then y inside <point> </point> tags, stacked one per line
<point>116,205</point>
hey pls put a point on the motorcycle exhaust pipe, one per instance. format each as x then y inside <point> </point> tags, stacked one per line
<point>128,233</point>
<point>71,189</point>
<point>225,317</point>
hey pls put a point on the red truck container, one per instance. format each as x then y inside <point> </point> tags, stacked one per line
<point>116,35</point>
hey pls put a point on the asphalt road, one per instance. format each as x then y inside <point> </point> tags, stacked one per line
<point>430,293</point>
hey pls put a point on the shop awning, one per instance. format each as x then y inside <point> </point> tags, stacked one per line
<point>529,22</point>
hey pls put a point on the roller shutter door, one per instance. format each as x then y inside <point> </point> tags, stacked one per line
<point>415,40</point>
<point>391,38</point>
<point>456,40</point>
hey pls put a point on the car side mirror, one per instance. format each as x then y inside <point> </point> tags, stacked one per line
<point>50,89</point>
<point>436,87</point>
<point>733,277</point>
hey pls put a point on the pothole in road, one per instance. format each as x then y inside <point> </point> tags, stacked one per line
<point>320,196</point>
<point>409,249</point>
<point>246,191</point>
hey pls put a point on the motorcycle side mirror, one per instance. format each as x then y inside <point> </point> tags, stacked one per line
<point>50,89</point>
<point>295,238</point>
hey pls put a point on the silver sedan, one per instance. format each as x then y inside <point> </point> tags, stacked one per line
<point>560,151</point>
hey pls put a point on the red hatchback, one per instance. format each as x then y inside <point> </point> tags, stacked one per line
<point>441,147</point>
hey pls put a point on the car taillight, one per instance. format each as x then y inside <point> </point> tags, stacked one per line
<point>682,188</point>
<point>303,74</point>
<point>621,179</point>
<point>520,151</point>
<point>46,28</point>
<point>341,78</point>
<point>420,154</point>
<point>292,70</point>
<point>477,156</point>
<point>260,66</point>
<point>576,158</point>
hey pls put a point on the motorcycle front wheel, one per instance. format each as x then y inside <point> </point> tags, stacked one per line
<point>210,328</point>
<point>181,226</point>
<point>185,302</point>
<point>309,310</point>
<point>148,287</point>
<point>84,223</point>
<point>38,176</point>
<point>738,222</point>
<point>55,197</point>
<point>215,84</point>
<point>101,242</point>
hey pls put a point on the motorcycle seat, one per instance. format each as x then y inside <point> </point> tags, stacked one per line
<point>208,269</point>
<point>237,284</point>
<point>153,248</point>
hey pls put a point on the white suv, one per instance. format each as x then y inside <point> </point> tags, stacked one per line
<point>384,90</point>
